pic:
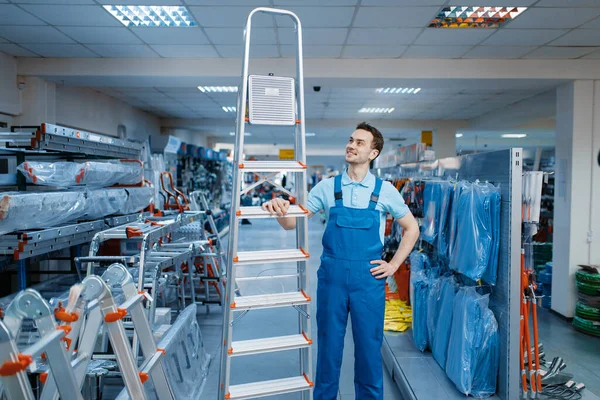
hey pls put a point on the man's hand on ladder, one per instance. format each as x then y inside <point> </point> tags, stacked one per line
<point>277,206</point>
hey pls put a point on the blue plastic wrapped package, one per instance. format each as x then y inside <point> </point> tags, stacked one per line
<point>491,272</point>
<point>419,321</point>
<point>476,235</point>
<point>419,264</point>
<point>433,308</point>
<point>472,360</point>
<point>432,202</point>
<point>443,237</point>
<point>459,187</point>
<point>441,337</point>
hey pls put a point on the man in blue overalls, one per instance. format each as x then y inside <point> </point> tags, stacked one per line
<point>352,275</point>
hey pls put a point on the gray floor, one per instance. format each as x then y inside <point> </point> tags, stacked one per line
<point>264,323</point>
<point>428,380</point>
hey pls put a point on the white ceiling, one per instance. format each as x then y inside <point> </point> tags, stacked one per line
<point>555,29</point>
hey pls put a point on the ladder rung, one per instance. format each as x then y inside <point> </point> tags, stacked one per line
<point>269,301</point>
<point>272,166</point>
<point>265,277</point>
<point>132,301</point>
<point>270,256</point>
<point>267,345</point>
<point>258,212</point>
<point>269,388</point>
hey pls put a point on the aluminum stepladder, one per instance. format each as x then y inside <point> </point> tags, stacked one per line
<point>268,86</point>
<point>14,364</point>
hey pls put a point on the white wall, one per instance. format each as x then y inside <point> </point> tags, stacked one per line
<point>92,111</point>
<point>9,93</point>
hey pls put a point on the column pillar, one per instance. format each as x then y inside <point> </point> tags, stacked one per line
<point>38,102</point>
<point>444,141</point>
<point>576,192</point>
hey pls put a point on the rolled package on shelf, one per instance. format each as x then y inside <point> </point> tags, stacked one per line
<point>23,210</point>
<point>104,202</point>
<point>90,173</point>
<point>138,198</point>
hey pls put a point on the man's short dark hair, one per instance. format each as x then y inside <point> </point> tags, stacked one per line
<point>377,136</point>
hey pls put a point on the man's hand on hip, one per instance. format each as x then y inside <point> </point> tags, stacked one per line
<point>383,270</point>
<point>277,206</point>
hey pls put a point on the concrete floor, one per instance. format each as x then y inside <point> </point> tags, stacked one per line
<point>427,379</point>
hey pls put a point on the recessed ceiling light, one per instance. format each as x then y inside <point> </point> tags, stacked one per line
<point>152,16</point>
<point>459,135</point>
<point>218,89</point>
<point>245,134</point>
<point>376,110</point>
<point>228,109</point>
<point>308,134</point>
<point>514,135</point>
<point>398,90</point>
<point>475,16</point>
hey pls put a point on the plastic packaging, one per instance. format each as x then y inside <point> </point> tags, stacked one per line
<point>476,245</point>
<point>103,202</point>
<point>441,337</point>
<point>473,352</point>
<point>443,237</point>
<point>90,173</point>
<point>419,279</point>
<point>459,187</point>
<point>22,210</point>
<point>432,202</point>
<point>187,361</point>
<point>433,308</point>
<point>138,198</point>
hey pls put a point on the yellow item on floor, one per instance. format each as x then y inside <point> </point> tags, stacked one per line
<point>398,316</point>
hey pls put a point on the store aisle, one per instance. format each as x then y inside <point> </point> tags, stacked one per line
<point>263,235</point>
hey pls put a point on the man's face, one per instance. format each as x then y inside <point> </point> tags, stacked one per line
<point>358,149</point>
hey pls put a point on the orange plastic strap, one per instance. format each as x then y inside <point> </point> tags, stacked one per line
<point>162,351</point>
<point>10,368</point>
<point>115,316</point>
<point>131,231</point>
<point>143,377</point>
<point>311,384</point>
<point>43,377</point>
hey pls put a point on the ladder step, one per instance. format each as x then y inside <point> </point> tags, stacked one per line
<point>269,388</point>
<point>267,345</point>
<point>270,256</point>
<point>272,166</point>
<point>270,301</point>
<point>258,212</point>
<point>265,277</point>
<point>132,301</point>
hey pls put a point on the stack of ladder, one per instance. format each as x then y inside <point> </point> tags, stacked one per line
<point>271,101</point>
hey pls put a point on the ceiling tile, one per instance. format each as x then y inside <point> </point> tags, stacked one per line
<point>14,50</point>
<point>185,51</point>
<point>256,3</point>
<point>122,51</point>
<point>60,50</point>
<point>373,51</point>
<point>560,52</point>
<point>33,34</point>
<point>450,37</point>
<point>141,2</point>
<point>222,17</point>
<point>383,36</point>
<point>317,36</point>
<point>405,17</point>
<point>53,1</point>
<point>435,51</point>
<point>403,3</point>
<point>559,18</point>
<point>314,51</point>
<point>523,37</point>
<point>499,51</point>
<point>259,51</point>
<point>579,37</point>
<point>319,17</point>
<point>100,35</point>
<point>594,56</point>
<point>567,3</point>
<point>73,15</point>
<point>492,3</point>
<point>175,36</point>
<point>236,35</point>
<point>286,3</point>
<point>593,24</point>
<point>13,15</point>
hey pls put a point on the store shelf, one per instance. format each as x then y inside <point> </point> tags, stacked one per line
<point>267,345</point>
<point>270,301</point>
<point>270,256</point>
<point>269,388</point>
<point>55,138</point>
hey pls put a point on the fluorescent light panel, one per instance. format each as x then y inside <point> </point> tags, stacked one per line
<point>475,16</point>
<point>397,90</point>
<point>245,134</point>
<point>514,135</point>
<point>376,110</point>
<point>310,134</point>
<point>228,109</point>
<point>152,16</point>
<point>459,135</point>
<point>218,89</point>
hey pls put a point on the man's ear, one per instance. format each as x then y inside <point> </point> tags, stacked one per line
<point>373,155</point>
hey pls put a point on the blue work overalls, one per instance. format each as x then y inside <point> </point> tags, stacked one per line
<point>345,284</point>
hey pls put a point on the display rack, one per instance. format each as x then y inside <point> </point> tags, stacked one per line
<point>502,168</point>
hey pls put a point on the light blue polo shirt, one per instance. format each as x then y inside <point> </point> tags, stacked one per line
<point>357,195</point>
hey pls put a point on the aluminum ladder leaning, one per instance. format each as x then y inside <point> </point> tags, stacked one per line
<point>275,101</point>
